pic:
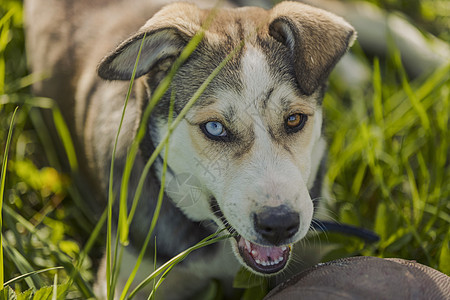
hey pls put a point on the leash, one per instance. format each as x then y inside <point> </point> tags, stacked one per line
<point>330,226</point>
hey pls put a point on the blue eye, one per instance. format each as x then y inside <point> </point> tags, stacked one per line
<point>214,130</point>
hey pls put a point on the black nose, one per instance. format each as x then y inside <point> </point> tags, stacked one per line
<point>277,224</point>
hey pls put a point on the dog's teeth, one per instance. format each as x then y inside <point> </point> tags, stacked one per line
<point>247,244</point>
<point>269,262</point>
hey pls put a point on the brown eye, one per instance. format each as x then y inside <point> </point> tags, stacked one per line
<point>295,122</point>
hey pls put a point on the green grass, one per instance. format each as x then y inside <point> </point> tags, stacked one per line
<point>389,165</point>
<point>389,171</point>
<point>2,189</point>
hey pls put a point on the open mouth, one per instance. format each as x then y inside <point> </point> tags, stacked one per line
<point>263,259</point>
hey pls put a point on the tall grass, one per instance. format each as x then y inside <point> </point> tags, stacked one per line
<point>2,191</point>
<point>394,179</point>
<point>36,237</point>
<point>388,171</point>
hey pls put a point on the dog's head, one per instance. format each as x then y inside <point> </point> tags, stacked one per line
<point>248,149</point>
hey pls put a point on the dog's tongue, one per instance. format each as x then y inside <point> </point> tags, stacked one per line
<point>263,259</point>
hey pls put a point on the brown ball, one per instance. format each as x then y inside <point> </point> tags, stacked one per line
<point>365,278</point>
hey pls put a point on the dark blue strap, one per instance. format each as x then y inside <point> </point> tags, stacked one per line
<point>330,226</point>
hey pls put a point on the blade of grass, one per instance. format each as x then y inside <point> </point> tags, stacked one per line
<point>4,41</point>
<point>22,264</point>
<point>160,281</point>
<point>379,178</point>
<point>395,116</point>
<point>55,287</point>
<point>65,261</point>
<point>424,189</point>
<point>7,16</point>
<point>2,190</point>
<point>416,104</point>
<point>157,95</point>
<point>87,248</point>
<point>64,134</point>
<point>47,103</point>
<point>123,226</point>
<point>60,124</point>
<point>117,266</point>
<point>415,201</point>
<point>157,209</point>
<point>178,119</point>
<point>26,81</point>
<point>44,135</point>
<point>159,92</point>
<point>172,127</point>
<point>180,257</point>
<point>30,274</point>
<point>377,94</point>
<point>154,267</point>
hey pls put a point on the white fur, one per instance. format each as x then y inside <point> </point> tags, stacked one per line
<point>183,159</point>
<point>268,169</point>
<point>318,148</point>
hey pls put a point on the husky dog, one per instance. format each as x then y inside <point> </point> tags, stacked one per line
<point>246,155</point>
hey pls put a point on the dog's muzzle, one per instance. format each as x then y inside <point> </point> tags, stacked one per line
<point>276,226</point>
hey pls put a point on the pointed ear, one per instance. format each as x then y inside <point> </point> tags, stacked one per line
<point>166,34</point>
<point>317,40</point>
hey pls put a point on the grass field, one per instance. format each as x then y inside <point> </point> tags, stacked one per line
<point>388,170</point>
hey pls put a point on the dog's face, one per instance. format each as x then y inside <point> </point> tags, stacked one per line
<point>252,139</point>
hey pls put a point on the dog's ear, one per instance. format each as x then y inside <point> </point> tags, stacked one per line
<point>317,40</point>
<point>166,34</point>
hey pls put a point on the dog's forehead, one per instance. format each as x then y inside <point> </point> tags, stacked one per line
<point>259,77</point>
<point>257,82</point>
<point>237,23</point>
<point>256,76</point>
